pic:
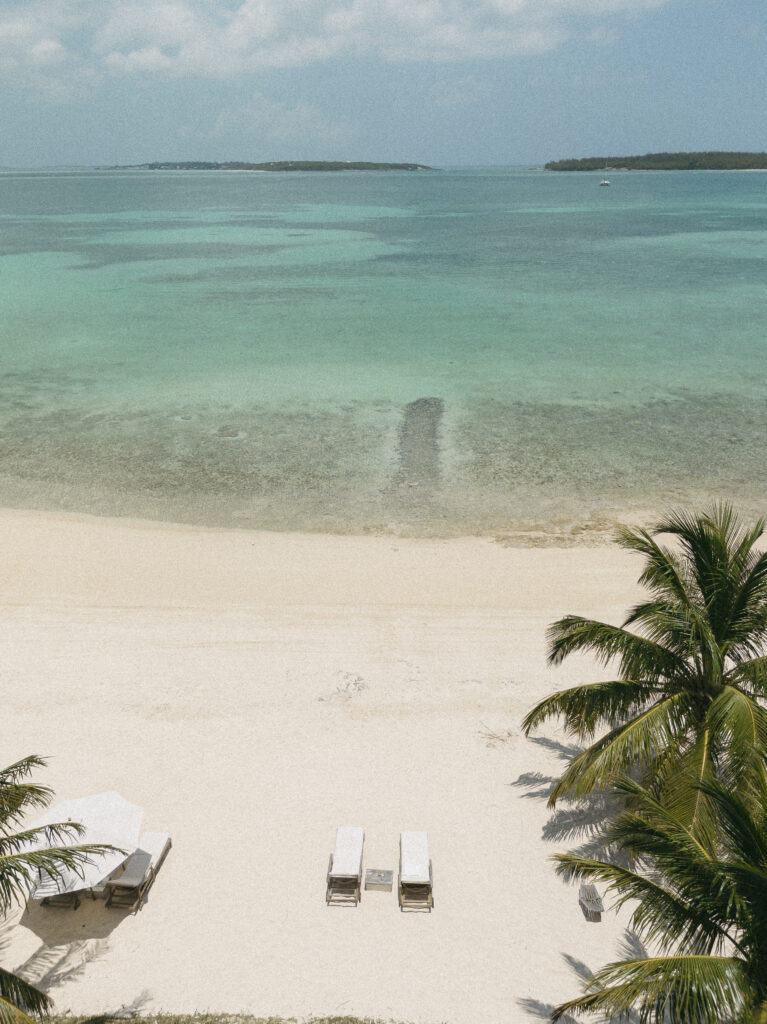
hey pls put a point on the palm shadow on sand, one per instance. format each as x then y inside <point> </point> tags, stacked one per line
<point>51,966</point>
<point>584,822</point>
<point>581,821</point>
<point>564,751</point>
<point>69,940</point>
<point>631,947</point>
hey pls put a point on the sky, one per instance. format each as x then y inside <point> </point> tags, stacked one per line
<point>448,83</point>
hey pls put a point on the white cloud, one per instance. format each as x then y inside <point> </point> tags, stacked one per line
<point>131,24</point>
<point>47,52</point>
<point>262,120</point>
<point>147,58</point>
<point>215,39</point>
<point>607,6</point>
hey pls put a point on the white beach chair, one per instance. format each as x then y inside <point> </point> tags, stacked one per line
<point>591,902</point>
<point>345,867</point>
<point>415,878</point>
<point>130,888</point>
<point>68,899</point>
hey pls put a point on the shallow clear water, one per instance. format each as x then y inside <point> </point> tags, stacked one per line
<point>424,353</point>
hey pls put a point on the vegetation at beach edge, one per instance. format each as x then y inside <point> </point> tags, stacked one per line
<point>706,161</point>
<point>208,1018</point>
<point>682,753</point>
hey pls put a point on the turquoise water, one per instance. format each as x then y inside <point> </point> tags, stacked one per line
<point>426,353</point>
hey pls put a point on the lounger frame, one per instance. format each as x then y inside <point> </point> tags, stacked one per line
<point>133,896</point>
<point>344,889</point>
<point>70,900</point>
<point>415,894</point>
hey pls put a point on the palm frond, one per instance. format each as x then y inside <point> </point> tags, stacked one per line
<point>748,625</point>
<point>679,785</point>
<point>658,914</point>
<point>666,623</point>
<point>750,675</point>
<point>20,872</point>
<point>700,633</point>
<point>10,1014</point>
<point>757,1013</point>
<point>635,743</point>
<point>19,998</point>
<point>16,800</point>
<point>718,549</point>
<point>738,725</point>
<point>684,630</point>
<point>638,657</point>
<point>21,769</point>
<point>18,797</point>
<point>664,574</point>
<point>586,708</point>
<point>58,832</point>
<point>744,835</point>
<point>690,989</point>
<point>653,808</point>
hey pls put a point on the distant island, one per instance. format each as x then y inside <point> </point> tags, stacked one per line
<point>714,161</point>
<point>279,165</point>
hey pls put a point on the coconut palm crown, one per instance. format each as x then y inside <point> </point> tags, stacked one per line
<point>702,904</point>
<point>688,701</point>
<point>23,854</point>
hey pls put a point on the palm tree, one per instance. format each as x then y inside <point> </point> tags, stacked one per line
<point>701,902</point>
<point>688,702</point>
<point>23,854</point>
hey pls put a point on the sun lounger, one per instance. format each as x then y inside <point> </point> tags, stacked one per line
<point>591,902</point>
<point>345,867</point>
<point>100,890</point>
<point>62,899</point>
<point>58,891</point>
<point>130,888</point>
<point>415,879</point>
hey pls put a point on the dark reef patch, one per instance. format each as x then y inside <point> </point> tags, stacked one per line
<point>419,451</point>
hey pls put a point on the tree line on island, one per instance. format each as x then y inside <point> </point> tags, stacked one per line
<point>277,165</point>
<point>709,161</point>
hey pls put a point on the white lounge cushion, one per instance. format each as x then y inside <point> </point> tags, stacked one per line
<point>414,858</point>
<point>347,855</point>
<point>153,847</point>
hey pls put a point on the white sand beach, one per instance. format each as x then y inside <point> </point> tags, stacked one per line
<point>254,691</point>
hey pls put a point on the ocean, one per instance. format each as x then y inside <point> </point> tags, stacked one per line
<point>514,353</point>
